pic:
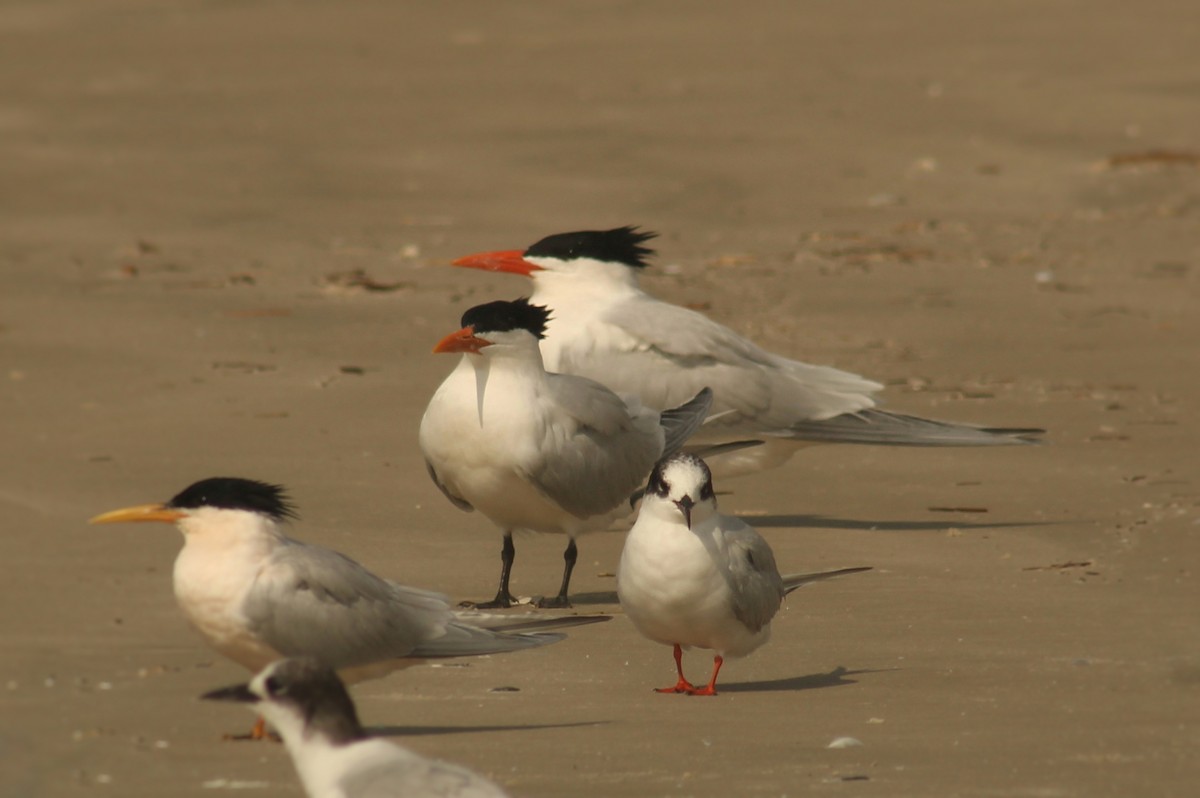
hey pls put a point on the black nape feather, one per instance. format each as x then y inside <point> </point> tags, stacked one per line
<point>620,245</point>
<point>234,493</point>
<point>320,695</point>
<point>502,316</point>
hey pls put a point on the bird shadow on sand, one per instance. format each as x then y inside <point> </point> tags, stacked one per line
<point>594,598</point>
<point>421,731</point>
<point>838,677</point>
<point>825,522</point>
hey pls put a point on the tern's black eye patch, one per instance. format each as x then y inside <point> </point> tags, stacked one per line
<point>657,486</point>
<point>234,493</point>
<point>504,316</point>
<point>620,245</point>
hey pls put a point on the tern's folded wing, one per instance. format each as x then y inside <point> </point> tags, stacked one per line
<point>679,351</point>
<point>753,575</point>
<point>595,451</point>
<point>309,600</point>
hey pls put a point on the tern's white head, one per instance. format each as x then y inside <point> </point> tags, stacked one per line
<point>681,485</point>
<point>498,329</point>
<point>615,255</point>
<point>301,698</point>
<point>218,506</point>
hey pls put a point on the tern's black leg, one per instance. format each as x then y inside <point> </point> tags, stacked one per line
<point>569,558</point>
<point>503,598</point>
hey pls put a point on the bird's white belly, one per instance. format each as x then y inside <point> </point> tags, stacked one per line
<point>486,461</point>
<point>673,593</point>
<point>510,501</point>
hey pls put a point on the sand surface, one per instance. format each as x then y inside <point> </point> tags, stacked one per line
<point>991,208</point>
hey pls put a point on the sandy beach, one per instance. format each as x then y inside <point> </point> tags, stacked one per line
<point>225,230</point>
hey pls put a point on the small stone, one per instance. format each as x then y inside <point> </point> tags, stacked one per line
<point>844,742</point>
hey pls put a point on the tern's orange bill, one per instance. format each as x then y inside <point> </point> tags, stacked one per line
<point>141,512</point>
<point>511,261</point>
<point>463,340</point>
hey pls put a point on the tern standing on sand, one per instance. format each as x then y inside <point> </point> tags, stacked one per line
<point>604,326</point>
<point>256,595</point>
<point>691,577</point>
<point>538,451</point>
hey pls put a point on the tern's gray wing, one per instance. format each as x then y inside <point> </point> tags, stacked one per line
<point>673,352</point>
<point>881,428</point>
<point>793,581</point>
<point>680,423</point>
<point>408,774</point>
<point>311,601</point>
<point>596,453</point>
<point>751,572</point>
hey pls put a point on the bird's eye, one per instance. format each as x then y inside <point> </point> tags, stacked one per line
<point>273,685</point>
<point>706,492</point>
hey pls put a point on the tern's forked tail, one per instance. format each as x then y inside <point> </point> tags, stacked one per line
<point>681,423</point>
<point>881,428</point>
<point>793,581</point>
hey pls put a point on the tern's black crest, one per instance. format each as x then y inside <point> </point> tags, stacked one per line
<point>503,316</point>
<point>318,694</point>
<point>621,245</point>
<point>659,486</point>
<point>233,493</point>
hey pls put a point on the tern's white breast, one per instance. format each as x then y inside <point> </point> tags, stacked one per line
<point>577,329</point>
<point>672,589</point>
<point>212,577</point>
<point>323,768</point>
<point>485,450</point>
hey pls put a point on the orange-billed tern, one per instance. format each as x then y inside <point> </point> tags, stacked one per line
<point>604,326</point>
<point>534,450</point>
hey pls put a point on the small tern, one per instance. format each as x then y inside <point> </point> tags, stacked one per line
<point>691,577</point>
<point>308,705</point>
<point>538,451</point>
<point>608,329</point>
<point>255,595</point>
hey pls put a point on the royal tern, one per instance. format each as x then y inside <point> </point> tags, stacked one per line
<point>308,705</point>
<point>256,595</point>
<point>691,577</point>
<point>605,327</point>
<point>538,451</point>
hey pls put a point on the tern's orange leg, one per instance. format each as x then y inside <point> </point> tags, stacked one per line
<point>259,732</point>
<point>683,685</point>
<point>711,687</point>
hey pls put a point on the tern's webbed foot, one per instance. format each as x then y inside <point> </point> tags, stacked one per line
<point>502,601</point>
<point>706,690</point>
<point>494,604</point>
<point>559,602</point>
<point>682,686</point>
